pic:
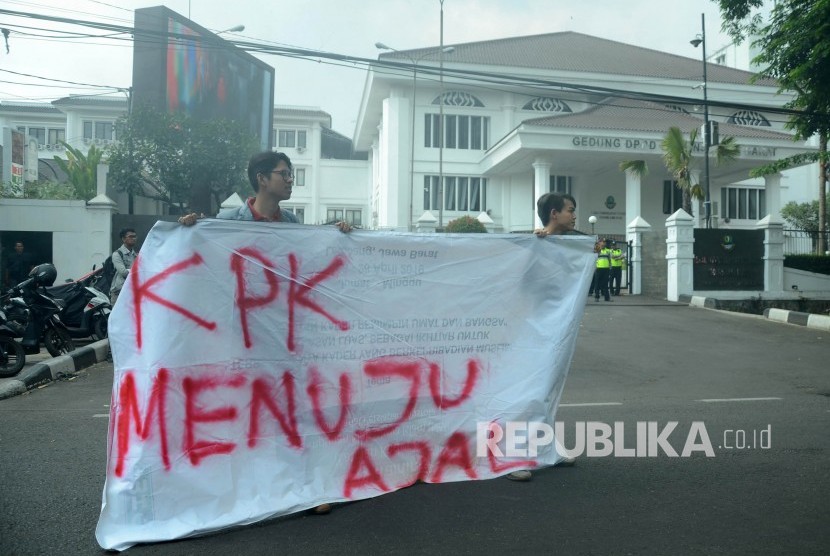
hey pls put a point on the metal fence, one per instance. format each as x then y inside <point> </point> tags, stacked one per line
<point>804,242</point>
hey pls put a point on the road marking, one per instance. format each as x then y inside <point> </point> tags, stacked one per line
<point>714,400</point>
<point>101,415</point>
<point>592,404</point>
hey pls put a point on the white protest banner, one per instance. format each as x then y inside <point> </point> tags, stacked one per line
<point>263,369</point>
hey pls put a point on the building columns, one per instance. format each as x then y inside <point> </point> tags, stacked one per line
<point>541,185</point>
<point>772,185</point>
<point>633,196</point>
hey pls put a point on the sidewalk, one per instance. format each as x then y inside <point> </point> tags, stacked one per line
<point>47,369</point>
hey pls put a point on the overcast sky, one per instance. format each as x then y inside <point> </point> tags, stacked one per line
<point>348,27</point>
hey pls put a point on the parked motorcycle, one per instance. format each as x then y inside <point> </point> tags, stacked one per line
<point>87,310</point>
<point>29,305</point>
<point>12,354</point>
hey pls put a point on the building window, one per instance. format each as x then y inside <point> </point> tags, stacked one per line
<point>745,203</point>
<point>286,138</point>
<point>352,216</point>
<point>299,176</point>
<point>98,131</point>
<point>560,184</point>
<point>460,132</point>
<point>720,59</point>
<point>37,133</point>
<point>672,197</point>
<point>299,212</point>
<point>461,193</point>
<point>291,138</point>
<point>56,135</point>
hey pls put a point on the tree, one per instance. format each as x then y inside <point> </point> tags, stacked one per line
<point>180,160</point>
<point>465,225</point>
<point>81,169</point>
<point>794,45</point>
<point>803,216</point>
<point>678,155</point>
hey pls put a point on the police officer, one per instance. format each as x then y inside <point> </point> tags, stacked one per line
<point>603,271</point>
<point>616,268</point>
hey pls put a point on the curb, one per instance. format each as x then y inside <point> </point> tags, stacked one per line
<point>820,322</point>
<point>809,320</point>
<point>52,369</point>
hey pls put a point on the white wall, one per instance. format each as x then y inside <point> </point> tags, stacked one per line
<point>80,234</point>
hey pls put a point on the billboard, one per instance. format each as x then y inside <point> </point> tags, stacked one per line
<point>179,66</point>
<point>14,147</point>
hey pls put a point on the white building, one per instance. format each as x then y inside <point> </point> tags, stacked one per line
<point>559,112</point>
<point>331,182</point>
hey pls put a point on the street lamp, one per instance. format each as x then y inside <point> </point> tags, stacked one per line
<point>593,220</point>
<point>707,203</point>
<point>441,126</point>
<point>447,50</point>
<point>235,29</point>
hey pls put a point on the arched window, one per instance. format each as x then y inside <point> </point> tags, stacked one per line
<point>748,117</point>
<point>547,104</point>
<point>458,98</point>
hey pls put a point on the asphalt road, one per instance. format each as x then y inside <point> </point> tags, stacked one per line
<point>660,363</point>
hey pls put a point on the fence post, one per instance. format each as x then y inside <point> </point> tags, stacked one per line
<point>636,229</point>
<point>680,255</point>
<point>427,223</point>
<point>773,254</point>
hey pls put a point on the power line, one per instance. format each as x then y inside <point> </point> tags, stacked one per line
<point>150,37</point>
<point>60,80</point>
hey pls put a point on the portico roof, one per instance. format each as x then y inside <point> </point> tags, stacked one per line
<point>595,141</point>
<point>634,116</point>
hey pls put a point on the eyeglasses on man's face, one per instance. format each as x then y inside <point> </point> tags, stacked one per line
<point>286,174</point>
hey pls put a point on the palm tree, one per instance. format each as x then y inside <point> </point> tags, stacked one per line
<point>82,170</point>
<point>637,167</point>
<point>678,155</point>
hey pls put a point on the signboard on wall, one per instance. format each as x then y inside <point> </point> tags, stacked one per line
<point>728,259</point>
<point>179,66</point>
<point>14,157</point>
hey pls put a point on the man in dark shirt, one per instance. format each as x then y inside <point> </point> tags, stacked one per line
<point>18,265</point>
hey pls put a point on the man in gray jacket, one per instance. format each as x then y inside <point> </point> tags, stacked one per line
<point>122,259</point>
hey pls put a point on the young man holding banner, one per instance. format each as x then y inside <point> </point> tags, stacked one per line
<point>272,178</point>
<point>558,215</point>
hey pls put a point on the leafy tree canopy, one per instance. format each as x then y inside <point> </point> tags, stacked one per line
<point>795,49</point>
<point>802,216</point>
<point>180,160</point>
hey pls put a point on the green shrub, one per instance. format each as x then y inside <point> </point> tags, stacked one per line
<point>811,263</point>
<point>465,225</point>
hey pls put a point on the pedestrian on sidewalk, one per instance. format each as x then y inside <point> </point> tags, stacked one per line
<point>122,259</point>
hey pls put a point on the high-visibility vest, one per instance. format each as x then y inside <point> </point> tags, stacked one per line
<point>616,262</point>
<point>604,259</point>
